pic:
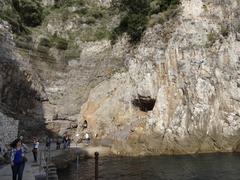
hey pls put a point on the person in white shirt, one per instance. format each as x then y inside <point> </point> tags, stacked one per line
<point>35,148</point>
<point>87,138</point>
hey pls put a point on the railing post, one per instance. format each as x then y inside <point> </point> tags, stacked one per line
<point>49,151</point>
<point>48,160</point>
<point>46,166</point>
<point>96,165</point>
<point>40,160</point>
<point>77,161</point>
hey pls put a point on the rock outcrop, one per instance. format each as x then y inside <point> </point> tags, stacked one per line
<point>8,129</point>
<point>177,91</point>
<point>178,96</point>
<point>21,91</point>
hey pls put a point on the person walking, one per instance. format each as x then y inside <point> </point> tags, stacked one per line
<point>87,138</point>
<point>85,125</point>
<point>65,141</point>
<point>17,159</point>
<point>68,142</point>
<point>35,148</point>
<point>58,143</point>
<point>48,142</point>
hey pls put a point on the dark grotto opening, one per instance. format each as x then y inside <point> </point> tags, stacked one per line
<point>144,103</point>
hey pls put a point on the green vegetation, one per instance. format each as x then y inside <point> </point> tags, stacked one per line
<point>93,34</point>
<point>212,37</point>
<point>45,42</point>
<point>94,13</point>
<point>134,25</point>
<point>30,11</point>
<point>94,17</point>
<point>224,30</point>
<point>72,54</point>
<point>137,14</point>
<point>58,42</point>
<point>22,14</point>
<point>15,21</point>
<point>205,8</point>
<point>163,5</point>
<point>134,22</point>
<point>102,33</point>
<point>69,3</point>
<point>237,28</point>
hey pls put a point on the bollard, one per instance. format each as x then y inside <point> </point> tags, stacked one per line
<point>46,168</point>
<point>48,161</point>
<point>77,161</point>
<point>96,165</point>
<point>40,160</point>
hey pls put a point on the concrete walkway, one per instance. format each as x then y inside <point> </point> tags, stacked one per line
<point>6,171</point>
<point>33,169</point>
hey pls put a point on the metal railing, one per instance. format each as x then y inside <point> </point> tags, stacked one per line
<point>45,156</point>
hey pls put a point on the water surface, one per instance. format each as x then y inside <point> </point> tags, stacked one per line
<point>200,167</point>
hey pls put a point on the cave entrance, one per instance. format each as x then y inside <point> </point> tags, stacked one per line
<point>144,103</point>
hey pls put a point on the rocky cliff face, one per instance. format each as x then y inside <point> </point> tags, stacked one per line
<point>177,91</point>
<point>20,90</point>
<point>177,96</point>
<point>55,81</point>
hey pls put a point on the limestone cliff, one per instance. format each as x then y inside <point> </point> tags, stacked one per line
<point>21,90</point>
<point>176,91</point>
<point>177,96</point>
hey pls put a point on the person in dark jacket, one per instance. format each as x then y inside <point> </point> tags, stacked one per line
<point>58,143</point>
<point>17,159</point>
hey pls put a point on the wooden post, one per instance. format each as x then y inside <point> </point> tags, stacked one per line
<point>96,165</point>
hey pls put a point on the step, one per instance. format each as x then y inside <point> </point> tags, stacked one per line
<point>53,177</point>
<point>40,177</point>
<point>52,173</point>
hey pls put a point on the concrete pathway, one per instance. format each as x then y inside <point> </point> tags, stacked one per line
<point>30,171</point>
<point>6,171</point>
<point>33,169</point>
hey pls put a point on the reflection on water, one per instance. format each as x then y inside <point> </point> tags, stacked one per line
<point>201,167</point>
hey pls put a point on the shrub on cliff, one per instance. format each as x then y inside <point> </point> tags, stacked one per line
<point>134,22</point>
<point>136,15</point>
<point>10,15</point>
<point>53,41</point>
<point>163,5</point>
<point>30,11</point>
<point>134,25</point>
<point>224,30</point>
<point>45,42</point>
<point>61,43</point>
<point>212,37</point>
<point>14,20</point>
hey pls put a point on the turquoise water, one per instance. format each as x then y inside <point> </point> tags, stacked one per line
<point>200,167</point>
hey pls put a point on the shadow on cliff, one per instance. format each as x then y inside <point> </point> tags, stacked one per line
<point>20,101</point>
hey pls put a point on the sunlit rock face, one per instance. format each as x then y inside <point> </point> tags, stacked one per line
<point>49,2</point>
<point>177,96</point>
<point>177,91</point>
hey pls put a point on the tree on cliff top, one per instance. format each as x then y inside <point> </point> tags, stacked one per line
<point>30,11</point>
<point>134,22</point>
<point>136,15</point>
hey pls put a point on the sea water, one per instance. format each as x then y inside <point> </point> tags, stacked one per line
<point>188,167</point>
